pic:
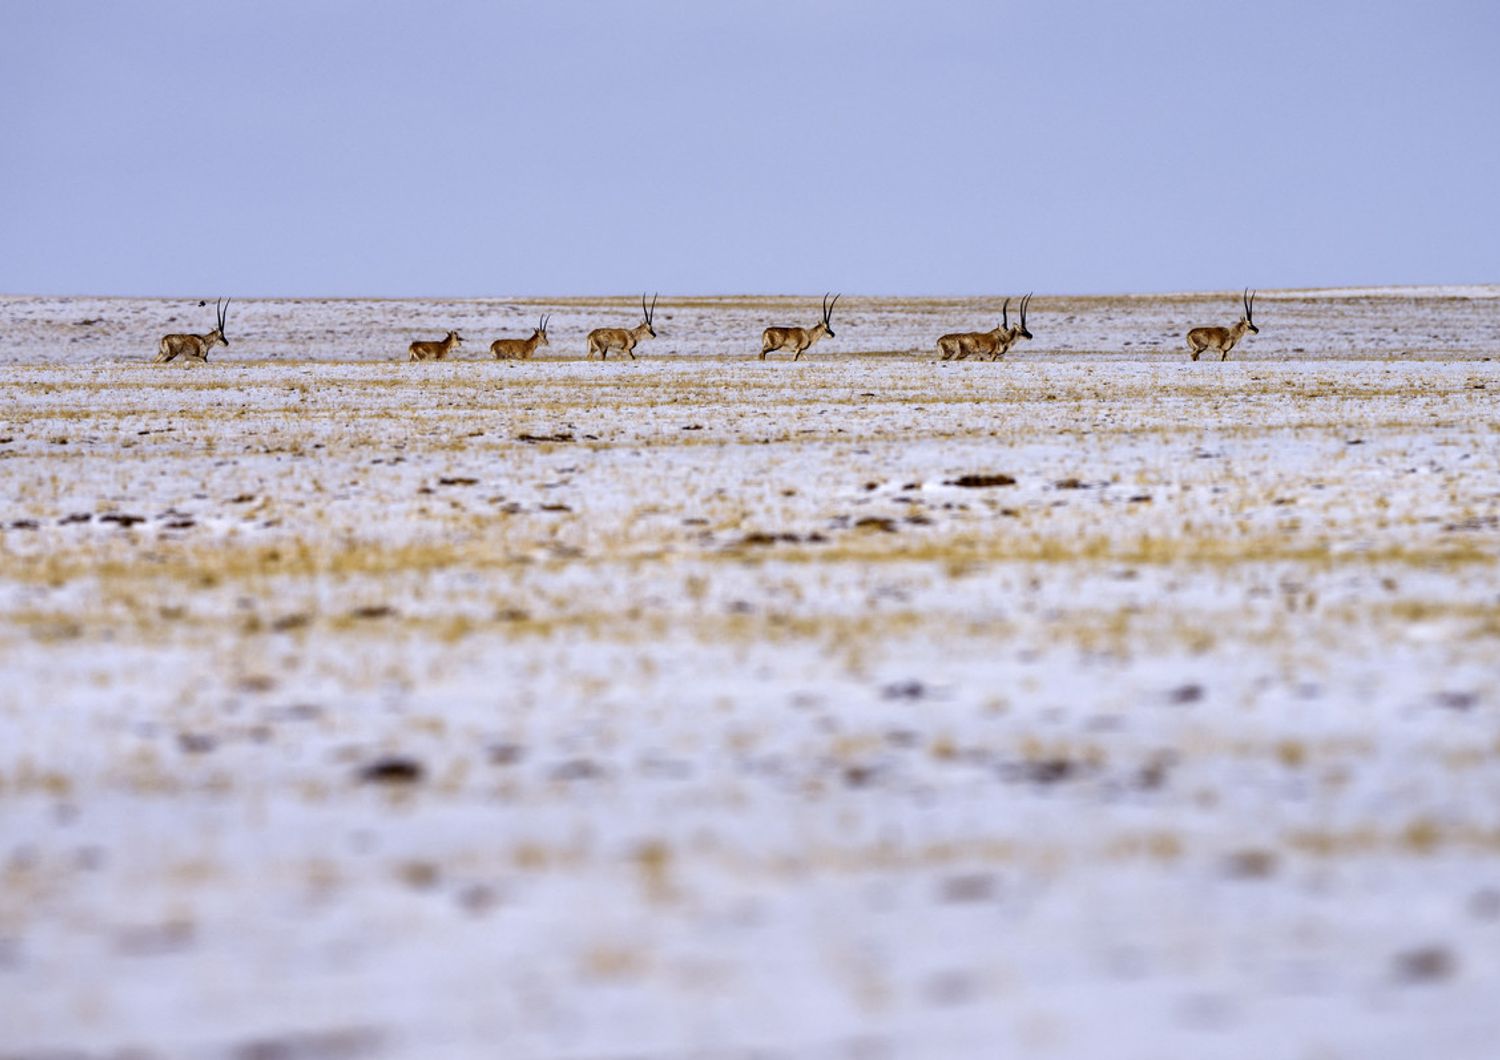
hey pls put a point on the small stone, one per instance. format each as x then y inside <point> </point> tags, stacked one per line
<point>418,875</point>
<point>393,769</point>
<point>478,898</point>
<point>1049,770</point>
<point>196,743</point>
<point>577,769</point>
<point>1426,964</point>
<point>981,481</point>
<point>908,690</point>
<point>970,887</point>
<point>506,754</point>
<point>1250,864</point>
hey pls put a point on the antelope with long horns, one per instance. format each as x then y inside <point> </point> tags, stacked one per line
<point>521,349</point>
<point>434,351</point>
<point>193,349</point>
<point>1224,339</point>
<point>602,340</point>
<point>993,344</point>
<point>799,339</point>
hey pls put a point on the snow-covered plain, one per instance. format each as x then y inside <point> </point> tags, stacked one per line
<point>698,706</point>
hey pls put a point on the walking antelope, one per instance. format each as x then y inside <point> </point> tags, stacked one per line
<point>602,340</point>
<point>434,351</point>
<point>194,348</point>
<point>993,344</point>
<point>521,349</point>
<point>1223,339</point>
<point>799,339</point>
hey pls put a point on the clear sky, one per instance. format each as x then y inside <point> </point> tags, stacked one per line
<point>468,148</point>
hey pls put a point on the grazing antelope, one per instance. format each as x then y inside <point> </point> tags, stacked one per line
<point>1223,339</point>
<point>521,349</point>
<point>602,340</point>
<point>799,339</point>
<point>193,349</point>
<point>993,344</point>
<point>434,351</point>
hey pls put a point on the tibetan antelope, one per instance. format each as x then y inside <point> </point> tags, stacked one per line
<point>193,349</point>
<point>1223,339</point>
<point>434,351</point>
<point>521,349</point>
<point>799,339</point>
<point>602,340</point>
<point>993,344</point>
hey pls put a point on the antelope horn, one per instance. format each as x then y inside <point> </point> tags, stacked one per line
<point>1005,315</point>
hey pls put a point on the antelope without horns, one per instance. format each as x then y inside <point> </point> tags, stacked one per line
<point>434,351</point>
<point>522,349</point>
<point>193,349</point>
<point>1224,339</point>
<point>799,339</point>
<point>602,340</point>
<point>993,344</point>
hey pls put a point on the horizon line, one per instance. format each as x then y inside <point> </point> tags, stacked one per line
<point>1358,288</point>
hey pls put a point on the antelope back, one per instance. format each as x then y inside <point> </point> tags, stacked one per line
<point>784,337</point>
<point>602,340</point>
<point>434,351</point>
<point>189,347</point>
<point>961,345</point>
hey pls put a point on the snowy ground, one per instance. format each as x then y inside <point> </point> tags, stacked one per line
<point>1397,323</point>
<point>696,706</point>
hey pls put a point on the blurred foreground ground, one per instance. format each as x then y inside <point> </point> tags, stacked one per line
<point>1093,703</point>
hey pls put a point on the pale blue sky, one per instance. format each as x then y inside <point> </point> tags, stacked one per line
<point>569,147</point>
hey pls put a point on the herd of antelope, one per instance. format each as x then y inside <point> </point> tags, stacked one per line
<point>955,346</point>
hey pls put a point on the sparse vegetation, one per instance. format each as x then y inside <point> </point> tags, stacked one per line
<point>638,677</point>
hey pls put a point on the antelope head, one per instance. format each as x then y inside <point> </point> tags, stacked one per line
<point>1022,332</point>
<point>827,324</point>
<point>1248,320</point>
<point>648,314</point>
<point>541,329</point>
<point>221,310</point>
